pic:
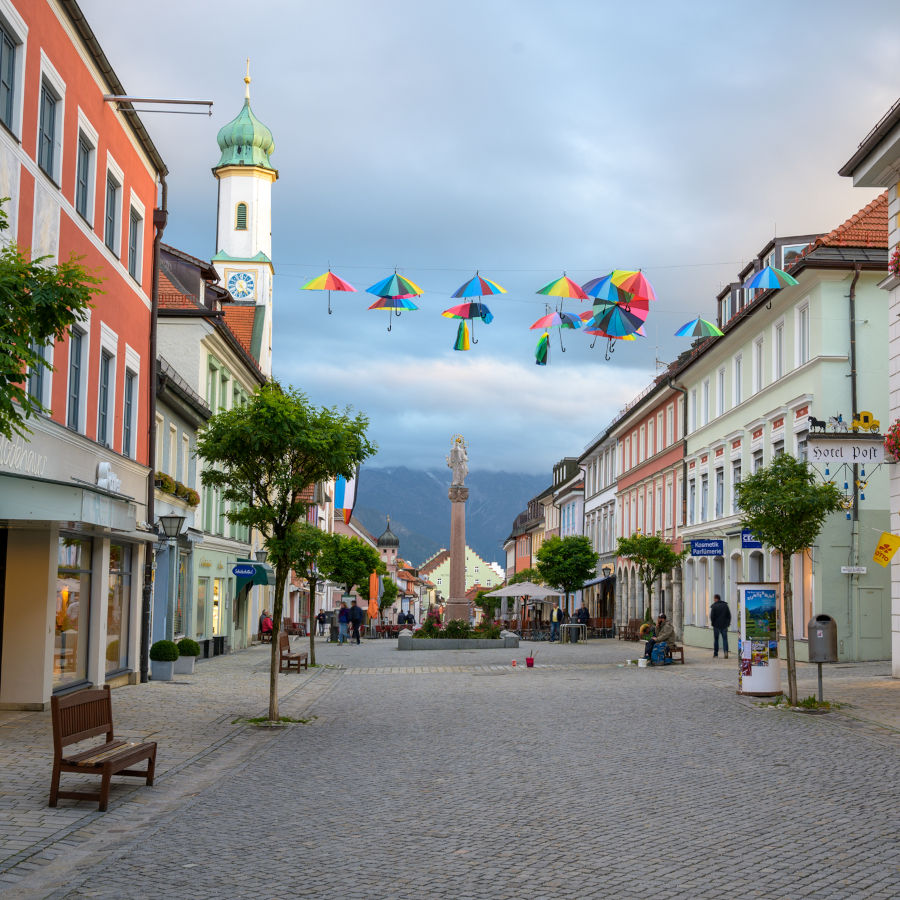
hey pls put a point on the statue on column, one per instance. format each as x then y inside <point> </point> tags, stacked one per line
<point>458,461</point>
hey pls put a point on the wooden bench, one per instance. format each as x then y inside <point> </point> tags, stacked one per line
<point>83,715</point>
<point>290,660</point>
<point>265,637</point>
<point>672,649</point>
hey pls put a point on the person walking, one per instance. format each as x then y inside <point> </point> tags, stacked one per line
<point>321,618</point>
<point>556,617</point>
<point>720,619</point>
<point>356,617</point>
<point>343,623</point>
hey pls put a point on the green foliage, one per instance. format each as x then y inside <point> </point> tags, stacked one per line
<point>188,647</point>
<point>488,605</point>
<point>652,556</point>
<point>388,595</point>
<point>785,506</point>
<point>457,628</point>
<point>363,589</point>
<point>349,561</point>
<point>485,629</point>
<point>165,482</point>
<point>38,303</point>
<point>530,574</point>
<point>566,563</point>
<point>164,651</point>
<point>431,628</point>
<point>305,544</point>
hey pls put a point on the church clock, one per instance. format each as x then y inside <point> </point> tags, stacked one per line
<point>242,285</point>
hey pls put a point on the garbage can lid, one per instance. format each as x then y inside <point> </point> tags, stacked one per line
<point>822,617</point>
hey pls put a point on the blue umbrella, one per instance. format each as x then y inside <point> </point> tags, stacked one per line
<point>770,278</point>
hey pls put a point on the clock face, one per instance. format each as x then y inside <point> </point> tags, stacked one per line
<point>241,285</point>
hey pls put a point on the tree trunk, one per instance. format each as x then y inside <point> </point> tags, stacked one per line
<point>281,571</point>
<point>789,627</point>
<point>312,582</point>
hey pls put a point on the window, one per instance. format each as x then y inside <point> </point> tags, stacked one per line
<point>103,407</point>
<point>791,253</point>
<point>777,448</point>
<point>670,425</point>
<point>704,497</point>
<point>735,481</point>
<point>659,432</point>
<point>185,460</point>
<point>111,219</point>
<point>135,242</point>
<point>73,603</point>
<point>720,493</point>
<point>7,78</point>
<point>128,411</point>
<point>47,131</point>
<point>758,380</point>
<point>83,177</point>
<point>172,462</point>
<point>778,351</point>
<point>738,379</point>
<point>76,375</point>
<point>757,460</point>
<point>641,445</point>
<point>720,392</point>
<point>693,412</point>
<point>704,411</point>
<point>36,375</point>
<point>118,607</point>
<point>692,501</point>
<point>240,217</point>
<point>801,446</point>
<point>159,443</point>
<point>803,334</point>
<point>659,505</point>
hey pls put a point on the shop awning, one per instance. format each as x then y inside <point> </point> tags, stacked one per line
<point>263,574</point>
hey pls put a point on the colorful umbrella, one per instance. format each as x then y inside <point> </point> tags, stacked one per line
<point>637,306</point>
<point>770,278</point>
<point>328,281</point>
<point>617,321</point>
<point>563,287</point>
<point>462,337</point>
<point>542,351</point>
<point>394,304</point>
<point>478,286</point>
<point>396,290</point>
<point>558,319</point>
<point>698,328</point>
<point>475,310</point>
<point>604,288</point>
<point>635,283</point>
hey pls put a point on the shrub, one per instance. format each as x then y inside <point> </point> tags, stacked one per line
<point>458,628</point>
<point>487,630</point>
<point>165,482</point>
<point>430,629</point>
<point>188,647</point>
<point>164,651</point>
<point>192,498</point>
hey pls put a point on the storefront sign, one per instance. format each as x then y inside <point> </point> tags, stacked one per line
<point>17,456</point>
<point>245,570</point>
<point>708,547</point>
<point>888,545</point>
<point>749,541</point>
<point>840,449</point>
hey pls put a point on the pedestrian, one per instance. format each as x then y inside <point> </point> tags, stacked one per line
<point>664,633</point>
<point>720,619</point>
<point>582,617</point>
<point>343,622</point>
<point>321,618</point>
<point>410,618</point>
<point>266,626</point>
<point>356,617</point>
<point>556,617</point>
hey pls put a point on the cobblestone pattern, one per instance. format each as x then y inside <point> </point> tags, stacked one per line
<point>468,779</point>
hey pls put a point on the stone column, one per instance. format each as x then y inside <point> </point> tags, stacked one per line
<point>457,606</point>
<point>677,602</point>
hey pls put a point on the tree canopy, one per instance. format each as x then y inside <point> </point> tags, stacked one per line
<point>38,303</point>
<point>785,506</point>
<point>306,543</point>
<point>567,563</point>
<point>652,557</point>
<point>529,574</point>
<point>350,561</point>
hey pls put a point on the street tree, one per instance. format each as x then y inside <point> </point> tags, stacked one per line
<point>785,506</point>
<point>389,595</point>
<point>263,456</point>
<point>38,302</point>
<point>653,558</point>
<point>529,574</point>
<point>306,544</point>
<point>488,605</point>
<point>567,563</point>
<point>350,561</point>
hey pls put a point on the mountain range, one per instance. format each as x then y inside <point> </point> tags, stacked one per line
<point>417,503</point>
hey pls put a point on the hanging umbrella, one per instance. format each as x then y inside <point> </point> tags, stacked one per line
<point>563,287</point>
<point>698,328</point>
<point>462,337</point>
<point>472,311</point>
<point>637,306</point>
<point>478,286</point>
<point>395,291</point>
<point>328,281</point>
<point>542,351</point>
<point>558,319</point>
<point>617,321</point>
<point>770,278</point>
<point>635,283</point>
<point>605,288</point>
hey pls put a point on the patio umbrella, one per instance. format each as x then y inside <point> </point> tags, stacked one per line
<point>478,286</point>
<point>563,287</point>
<point>328,281</point>
<point>394,291</point>
<point>770,278</point>
<point>476,310</point>
<point>525,589</point>
<point>698,328</point>
<point>542,351</point>
<point>558,319</point>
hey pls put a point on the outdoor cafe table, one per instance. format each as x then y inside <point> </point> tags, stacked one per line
<point>565,632</point>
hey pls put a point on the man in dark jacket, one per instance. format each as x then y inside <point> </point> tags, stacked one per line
<point>356,617</point>
<point>665,634</point>
<point>720,619</point>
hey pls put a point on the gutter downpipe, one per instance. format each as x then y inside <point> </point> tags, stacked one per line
<point>853,580</point>
<point>159,223</point>
<point>678,595</point>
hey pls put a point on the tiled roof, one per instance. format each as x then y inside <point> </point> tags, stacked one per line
<point>170,297</point>
<point>308,493</point>
<point>868,228</point>
<point>239,320</point>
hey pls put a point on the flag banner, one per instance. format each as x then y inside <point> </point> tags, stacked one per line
<point>886,548</point>
<point>345,496</point>
<point>373,596</point>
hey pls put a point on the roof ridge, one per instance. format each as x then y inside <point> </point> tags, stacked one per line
<point>865,228</point>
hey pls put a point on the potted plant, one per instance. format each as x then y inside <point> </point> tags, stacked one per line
<point>188,651</point>
<point>162,660</point>
<point>892,441</point>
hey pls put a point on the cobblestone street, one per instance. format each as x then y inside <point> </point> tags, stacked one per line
<point>455,775</point>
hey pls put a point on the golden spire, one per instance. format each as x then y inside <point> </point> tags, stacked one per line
<point>247,80</point>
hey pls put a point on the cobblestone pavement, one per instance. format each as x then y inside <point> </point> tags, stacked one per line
<point>454,775</point>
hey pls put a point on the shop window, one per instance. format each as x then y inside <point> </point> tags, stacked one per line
<point>202,594</point>
<point>73,598</point>
<point>181,593</point>
<point>118,607</point>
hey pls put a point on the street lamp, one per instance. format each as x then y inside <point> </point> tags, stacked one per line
<point>171,526</point>
<point>261,555</point>
<point>607,571</point>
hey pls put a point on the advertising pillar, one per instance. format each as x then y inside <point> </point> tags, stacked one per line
<point>760,671</point>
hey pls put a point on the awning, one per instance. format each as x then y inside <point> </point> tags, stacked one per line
<point>602,578</point>
<point>263,574</point>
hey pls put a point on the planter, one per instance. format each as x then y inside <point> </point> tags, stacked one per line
<point>529,662</point>
<point>184,665</point>
<point>161,671</point>
<point>408,642</point>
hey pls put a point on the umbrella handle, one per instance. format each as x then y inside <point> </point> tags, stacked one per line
<point>474,339</point>
<point>390,322</point>
<point>594,342</point>
<point>329,303</point>
<point>609,350</point>
<point>559,331</point>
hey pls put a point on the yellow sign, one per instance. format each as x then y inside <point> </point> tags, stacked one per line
<point>888,544</point>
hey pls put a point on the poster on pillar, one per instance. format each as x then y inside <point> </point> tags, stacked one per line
<point>759,672</point>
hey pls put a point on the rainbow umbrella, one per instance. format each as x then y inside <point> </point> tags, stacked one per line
<point>478,286</point>
<point>558,319</point>
<point>617,321</point>
<point>462,337</point>
<point>328,281</point>
<point>612,338</point>
<point>396,290</point>
<point>604,288</point>
<point>770,278</point>
<point>563,287</point>
<point>542,351</point>
<point>394,304</point>
<point>472,311</point>
<point>637,306</point>
<point>698,328</point>
<point>635,283</point>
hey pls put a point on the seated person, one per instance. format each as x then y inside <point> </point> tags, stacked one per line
<point>665,633</point>
<point>265,624</point>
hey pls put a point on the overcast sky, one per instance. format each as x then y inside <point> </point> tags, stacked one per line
<point>520,138</point>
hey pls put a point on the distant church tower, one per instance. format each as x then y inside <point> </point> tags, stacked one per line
<point>387,544</point>
<point>244,227</point>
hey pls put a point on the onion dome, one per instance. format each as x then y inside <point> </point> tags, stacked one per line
<point>245,141</point>
<point>388,538</point>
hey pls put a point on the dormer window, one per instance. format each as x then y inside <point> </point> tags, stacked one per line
<point>240,217</point>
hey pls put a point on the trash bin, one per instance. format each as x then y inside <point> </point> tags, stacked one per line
<point>823,646</point>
